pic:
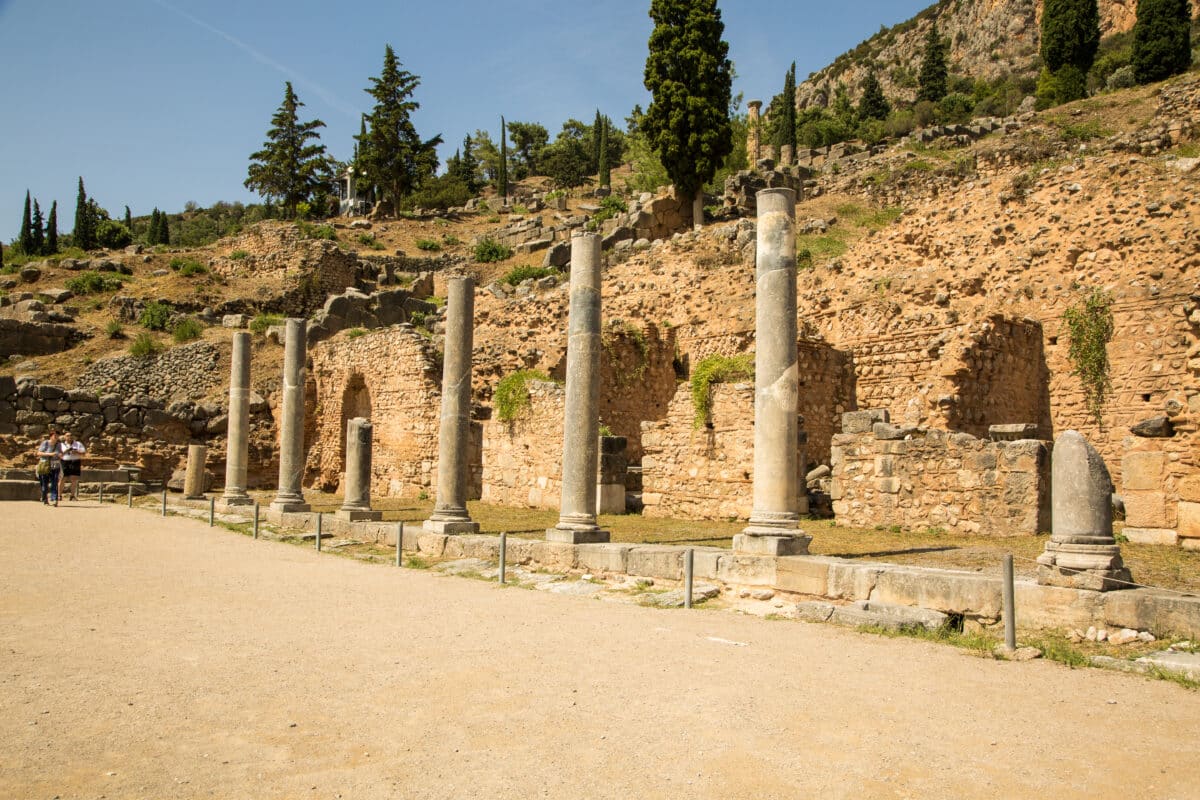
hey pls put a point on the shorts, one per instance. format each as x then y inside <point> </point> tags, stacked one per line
<point>70,468</point>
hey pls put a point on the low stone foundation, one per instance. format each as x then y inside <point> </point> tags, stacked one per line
<point>973,597</point>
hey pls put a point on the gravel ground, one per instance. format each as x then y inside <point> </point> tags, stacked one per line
<point>151,658</point>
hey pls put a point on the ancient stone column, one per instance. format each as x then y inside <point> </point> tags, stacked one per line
<point>450,510</point>
<point>290,495</point>
<point>193,479</point>
<point>581,420</point>
<point>754,133</point>
<point>786,154</point>
<point>773,526</point>
<point>356,487</point>
<point>1081,553</point>
<point>237,437</point>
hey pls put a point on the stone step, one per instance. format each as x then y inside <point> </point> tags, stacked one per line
<point>868,613</point>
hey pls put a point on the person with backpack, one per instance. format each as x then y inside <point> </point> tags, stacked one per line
<point>72,451</point>
<point>48,467</point>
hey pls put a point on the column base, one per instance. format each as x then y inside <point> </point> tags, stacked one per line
<point>578,535</point>
<point>771,542</point>
<point>358,515</point>
<point>1097,567</point>
<point>290,506</point>
<point>194,497</point>
<point>450,526</point>
<point>230,503</point>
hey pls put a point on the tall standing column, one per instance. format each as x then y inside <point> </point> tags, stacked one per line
<point>290,495</point>
<point>581,420</point>
<point>237,437</point>
<point>193,479</point>
<point>356,488</point>
<point>773,528</point>
<point>754,133</point>
<point>450,513</point>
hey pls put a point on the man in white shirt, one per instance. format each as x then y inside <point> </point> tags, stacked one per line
<point>72,460</point>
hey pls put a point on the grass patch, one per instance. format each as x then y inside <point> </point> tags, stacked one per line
<point>1055,646</point>
<point>188,267</point>
<point>488,250</point>
<point>90,282</point>
<point>310,231</point>
<point>450,240</point>
<point>354,333</point>
<point>871,218</point>
<point>186,330</point>
<point>979,643</point>
<point>1081,131</point>
<point>239,255</point>
<point>526,272</point>
<point>260,323</point>
<point>144,345</point>
<point>821,247</point>
<point>369,241</point>
<point>114,330</point>
<point>429,245</point>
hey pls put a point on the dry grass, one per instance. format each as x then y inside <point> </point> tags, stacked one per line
<point>1166,567</point>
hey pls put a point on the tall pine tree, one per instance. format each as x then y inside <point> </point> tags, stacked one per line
<point>690,77</point>
<point>128,220</point>
<point>1070,39</point>
<point>603,176</point>
<point>51,246</point>
<point>932,81</point>
<point>25,238</point>
<point>289,167</point>
<point>397,160</point>
<point>85,220</point>
<point>502,176</point>
<point>37,230</point>
<point>1162,39</point>
<point>873,104</point>
<point>596,146</point>
<point>164,229</point>
<point>784,113</point>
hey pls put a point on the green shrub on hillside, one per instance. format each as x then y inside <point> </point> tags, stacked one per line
<point>155,316</point>
<point>260,323</point>
<point>90,282</point>
<point>488,249</point>
<point>524,272</point>
<point>144,345</point>
<point>186,330</point>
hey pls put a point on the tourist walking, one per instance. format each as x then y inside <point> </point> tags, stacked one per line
<point>48,467</point>
<point>72,460</point>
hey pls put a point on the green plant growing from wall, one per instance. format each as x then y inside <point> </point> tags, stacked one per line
<point>716,369</point>
<point>619,329</point>
<point>512,393</point>
<point>1090,328</point>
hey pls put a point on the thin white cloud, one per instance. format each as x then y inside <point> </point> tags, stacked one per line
<point>326,96</point>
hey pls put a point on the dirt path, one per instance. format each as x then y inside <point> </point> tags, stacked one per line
<point>151,658</point>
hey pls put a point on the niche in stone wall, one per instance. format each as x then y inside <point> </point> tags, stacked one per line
<point>356,402</point>
<point>1002,379</point>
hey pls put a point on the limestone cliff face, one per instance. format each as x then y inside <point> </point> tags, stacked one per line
<point>988,38</point>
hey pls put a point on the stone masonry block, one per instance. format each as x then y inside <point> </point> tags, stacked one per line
<point>554,555</point>
<point>1189,520</point>
<point>706,562</point>
<point>1148,510</point>
<point>802,575</point>
<point>656,561</point>
<point>862,421</point>
<point>1142,472</point>
<point>941,590</point>
<point>747,570</point>
<point>1161,536</point>
<point>1055,606</point>
<point>852,581</point>
<point>602,557</point>
<point>1189,489</point>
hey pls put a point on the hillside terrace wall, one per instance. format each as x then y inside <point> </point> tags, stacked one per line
<point>885,475</point>
<point>522,459</point>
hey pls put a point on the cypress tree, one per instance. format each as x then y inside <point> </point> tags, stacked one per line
<point>785,122</point>
<point>597,147</point>
<point>164,229</point>
<point>288,166</point>
<point>128,220</point>
<point>690,78</point>
<point>1162,39</point>
<point>873,104</point>
<point>603,178</point>
<point>52,230</point>
<point>25,238</point>
<point>396,160</point>
<point>85,221</point>
<point>1070,39</point>
<point>934,72</point>
<point>502,177</point>
<point>37,231</point>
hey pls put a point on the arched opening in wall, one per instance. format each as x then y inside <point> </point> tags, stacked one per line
<point>356,402</point>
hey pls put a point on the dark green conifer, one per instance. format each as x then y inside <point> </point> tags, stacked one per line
<point>37,230</point>
<point>85,220</point>
<point>1070,39</point>
<point>932,81</point>
<point>873,104</point>
<point>1162,39</point>
<point>502,177</point>
<point>25,238</point>
<point>690,78</point>
<point>603,176</point>
<point>51,246</point>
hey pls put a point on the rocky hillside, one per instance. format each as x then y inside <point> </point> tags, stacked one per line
<point>988,39</point>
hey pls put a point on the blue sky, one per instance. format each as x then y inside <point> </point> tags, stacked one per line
<point>158,102</point>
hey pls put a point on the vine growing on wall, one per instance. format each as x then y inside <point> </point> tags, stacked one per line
<point>512,393</point>
<point>716,369</point>
<point>637,339</point>
<point>1090,328</point>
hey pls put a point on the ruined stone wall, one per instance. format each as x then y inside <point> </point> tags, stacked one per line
<point>936,479</point>
<point>706,472</point>
<point>392,377</point>
<point>637,379</point>
<point>827,390</point>
<point>1001,378</point>
<point>522,459</point>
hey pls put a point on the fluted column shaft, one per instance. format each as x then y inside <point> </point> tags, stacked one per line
<point>237,446</point>
<point>290,495</point>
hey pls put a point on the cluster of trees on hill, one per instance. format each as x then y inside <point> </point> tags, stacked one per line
<point>1074,62</point>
